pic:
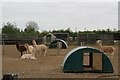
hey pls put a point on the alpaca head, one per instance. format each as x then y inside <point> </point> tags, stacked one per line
<point>99,42</point>
<point>26,45</point>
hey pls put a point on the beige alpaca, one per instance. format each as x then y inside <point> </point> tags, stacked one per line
<point>28,48</point>
<point>30,53</point>
<point>107,49</point>
<point>40,48</point>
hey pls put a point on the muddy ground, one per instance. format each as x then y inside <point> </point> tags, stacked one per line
<point>46,67</point>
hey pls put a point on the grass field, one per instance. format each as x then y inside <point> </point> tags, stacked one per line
<point>46,67</point>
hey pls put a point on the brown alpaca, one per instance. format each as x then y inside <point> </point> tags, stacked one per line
<point>107,49</point>
<point>20,48</point>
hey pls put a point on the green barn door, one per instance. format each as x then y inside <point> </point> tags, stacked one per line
<point>97,61</point>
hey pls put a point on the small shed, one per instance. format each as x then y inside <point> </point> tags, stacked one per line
<point>63,36</point>
<point>89,38</point>
<point>87,59</point>
<point>54,44</point>
<point>48,38</point>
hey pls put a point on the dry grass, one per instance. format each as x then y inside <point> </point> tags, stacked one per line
<point>44,67</point>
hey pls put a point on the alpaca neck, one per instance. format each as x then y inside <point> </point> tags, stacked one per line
<point>100,46</point>
<point>17,45</point>
<point>34,44</point>
<point>28,48</point>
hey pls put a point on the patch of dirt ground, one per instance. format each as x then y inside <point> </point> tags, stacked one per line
<point>45,67</point>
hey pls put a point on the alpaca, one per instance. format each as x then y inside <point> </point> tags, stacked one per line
<point>30,53</point>
<point>29,48</point>
<point>20,48</point>
<point>28,56</point>
<point>40,48</point>
<point>107,49</point>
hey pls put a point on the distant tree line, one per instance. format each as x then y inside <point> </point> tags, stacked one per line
<point>32,29</point>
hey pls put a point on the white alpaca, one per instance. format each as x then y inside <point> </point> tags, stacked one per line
<point>28,56</point>
<point>107,49</point>
<point>40,48</point>
<point>30,53</point>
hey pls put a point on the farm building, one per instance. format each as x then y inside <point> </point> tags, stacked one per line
<point>54,44</point>
<point>107,39</point>
<point>116,36</point>
<point>87,38</point>
<point>63,36</point>
<point>87,59</point>
<point>48,38</point>
<point>91,38</point>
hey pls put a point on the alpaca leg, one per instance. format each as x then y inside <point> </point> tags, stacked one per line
<point>41,53</point>
<point>44,53</point>
<point>21,53</point>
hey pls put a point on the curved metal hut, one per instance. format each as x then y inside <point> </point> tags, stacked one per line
<point>54,44</point>
<point>87,59</point>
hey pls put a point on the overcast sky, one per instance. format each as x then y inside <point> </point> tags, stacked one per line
<point>62,15</point>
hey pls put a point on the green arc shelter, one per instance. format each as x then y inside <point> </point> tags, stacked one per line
<point>87,59</point>
<point>54,44</point>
